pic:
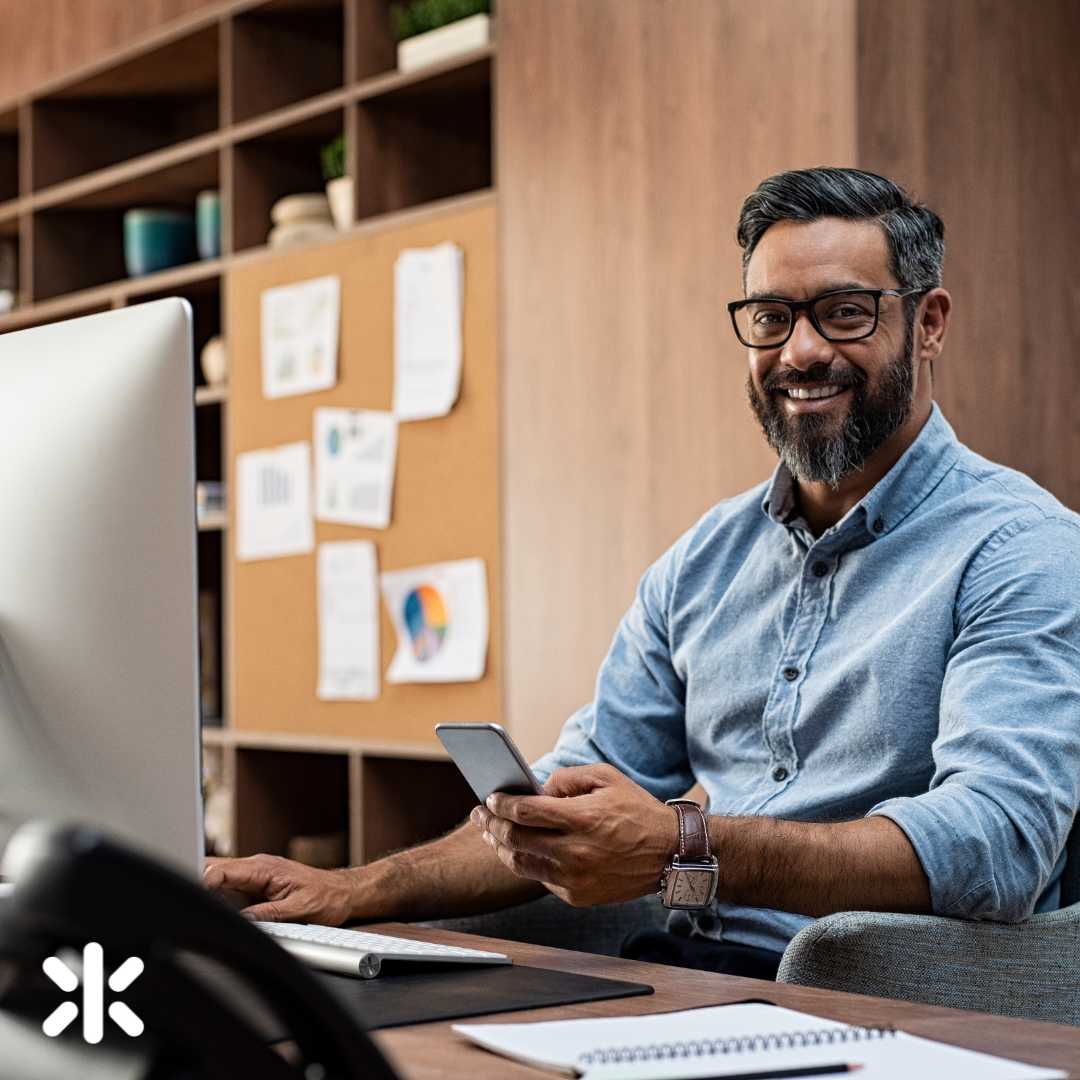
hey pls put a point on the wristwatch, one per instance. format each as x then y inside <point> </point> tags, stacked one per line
<point>689,880</point>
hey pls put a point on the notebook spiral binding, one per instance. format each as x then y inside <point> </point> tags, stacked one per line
<point>740,1044</point>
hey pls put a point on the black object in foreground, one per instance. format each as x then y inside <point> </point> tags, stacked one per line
<point>397,999</point>
<point>785,1074</point>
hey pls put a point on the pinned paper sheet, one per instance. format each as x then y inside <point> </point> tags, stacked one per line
<point>355,454</point>
<point>348,621</point>
<point>429,290</point>
<point>440,614</point>
<point>300,337</point>
<point>273,510</point>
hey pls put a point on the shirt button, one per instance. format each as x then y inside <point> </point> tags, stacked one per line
<point>791,673</point>
<point>779,774</point>
<point>820,569</point>
<point>879,525</point>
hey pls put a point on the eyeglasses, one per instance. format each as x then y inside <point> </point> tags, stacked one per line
<point>844,315</point>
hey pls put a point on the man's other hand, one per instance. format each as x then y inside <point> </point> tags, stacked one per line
<point>593,837</point>
<point>289,891</point>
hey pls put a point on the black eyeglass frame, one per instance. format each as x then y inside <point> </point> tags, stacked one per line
<point>795,306</point>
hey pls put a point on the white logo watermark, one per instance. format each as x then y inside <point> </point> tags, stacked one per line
<point>93,995</point>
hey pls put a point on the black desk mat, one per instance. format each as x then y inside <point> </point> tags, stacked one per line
<point>395,999</point>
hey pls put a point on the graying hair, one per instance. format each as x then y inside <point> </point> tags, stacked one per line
<point>915,234</point>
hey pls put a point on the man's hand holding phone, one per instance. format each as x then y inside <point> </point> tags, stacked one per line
<point>592,837</point>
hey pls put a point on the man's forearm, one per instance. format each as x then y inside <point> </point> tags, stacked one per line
<point>596,837</point>
<point>456,875</point>
<point>814,869</point>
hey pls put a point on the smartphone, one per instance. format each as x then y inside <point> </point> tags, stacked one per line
<point>488,759</point>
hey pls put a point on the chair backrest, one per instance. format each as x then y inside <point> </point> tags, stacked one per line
<point>1070,878</point>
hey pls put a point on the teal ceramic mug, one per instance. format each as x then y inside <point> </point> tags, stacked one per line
<point>157,239</point>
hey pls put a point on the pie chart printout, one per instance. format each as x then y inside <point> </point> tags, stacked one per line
<point>440,616</point>
<point>426,620</point>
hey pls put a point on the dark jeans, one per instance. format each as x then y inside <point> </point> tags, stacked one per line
<point>727,958</point>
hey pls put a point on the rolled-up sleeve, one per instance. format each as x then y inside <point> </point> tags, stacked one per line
<point>990,830</point>
<point>636,720</point>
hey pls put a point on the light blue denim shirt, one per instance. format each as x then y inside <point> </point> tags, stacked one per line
<point>920,659</point>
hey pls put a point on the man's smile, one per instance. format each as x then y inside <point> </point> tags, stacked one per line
<point>814,397</point>
<point>806,399</point>
<point>805,392</point>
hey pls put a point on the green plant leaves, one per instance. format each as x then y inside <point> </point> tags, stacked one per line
<point>419,16</point>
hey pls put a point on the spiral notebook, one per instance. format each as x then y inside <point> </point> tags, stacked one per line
<point>731,1040</point>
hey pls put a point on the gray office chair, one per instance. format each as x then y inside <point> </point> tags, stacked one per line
<point>1029,969</point>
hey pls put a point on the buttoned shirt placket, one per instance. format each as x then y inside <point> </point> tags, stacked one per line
<point>820,564</point>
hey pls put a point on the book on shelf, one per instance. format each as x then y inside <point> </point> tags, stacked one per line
<point>735,1040</point>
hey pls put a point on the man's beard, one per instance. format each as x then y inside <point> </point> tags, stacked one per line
<point>803,442</point>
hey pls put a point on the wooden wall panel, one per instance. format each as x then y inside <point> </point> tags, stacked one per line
<point>43,39</point>
<point>976,106</point>
<point>629,132</point>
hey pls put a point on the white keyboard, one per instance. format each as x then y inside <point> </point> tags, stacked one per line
<point>356,952</point>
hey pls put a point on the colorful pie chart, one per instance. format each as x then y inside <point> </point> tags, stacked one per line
<point>426,621</point>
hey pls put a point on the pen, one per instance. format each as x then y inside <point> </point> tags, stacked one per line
<point>784,1074</point>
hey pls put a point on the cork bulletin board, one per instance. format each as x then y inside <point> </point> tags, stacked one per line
<point>446,493</point>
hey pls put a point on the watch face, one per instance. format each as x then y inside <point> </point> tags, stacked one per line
<point>691,888</point>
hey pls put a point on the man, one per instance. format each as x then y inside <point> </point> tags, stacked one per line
<point>871,663</point>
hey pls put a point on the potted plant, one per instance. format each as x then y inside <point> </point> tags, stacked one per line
<point>339,187</point>
<point>433,30</point>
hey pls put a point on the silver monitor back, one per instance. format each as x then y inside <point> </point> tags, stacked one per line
<point>98,637</point>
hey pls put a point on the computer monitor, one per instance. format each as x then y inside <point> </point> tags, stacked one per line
<point>99,706</point>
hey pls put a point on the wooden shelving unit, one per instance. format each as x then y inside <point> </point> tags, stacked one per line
<point>241,97</point>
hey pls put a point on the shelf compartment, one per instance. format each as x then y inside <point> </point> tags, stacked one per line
<point>209,462</point>
<point>211,623</point>
<point>164,96</point>
<point>423,136</point>
<point>9,156</point>
<point>389,821</point>
<point>204,296</point>
<point>10,269</point>
<point>174,182</point>
<point>205,274</point>
<point>152,178</point>
<point>218,803</point>
<point>283,162</point>
<point>286,51</point>
<point>466,74</point>
<point>92,225</point>
<point>97,236</point>
<point>282,795</point>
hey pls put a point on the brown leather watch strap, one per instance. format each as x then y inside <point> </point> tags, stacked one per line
<point>693,831</point>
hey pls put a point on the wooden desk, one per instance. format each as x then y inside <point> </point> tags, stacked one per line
<point>435,1051</point>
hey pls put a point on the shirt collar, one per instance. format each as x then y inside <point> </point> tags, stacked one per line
<point>918,471</point>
